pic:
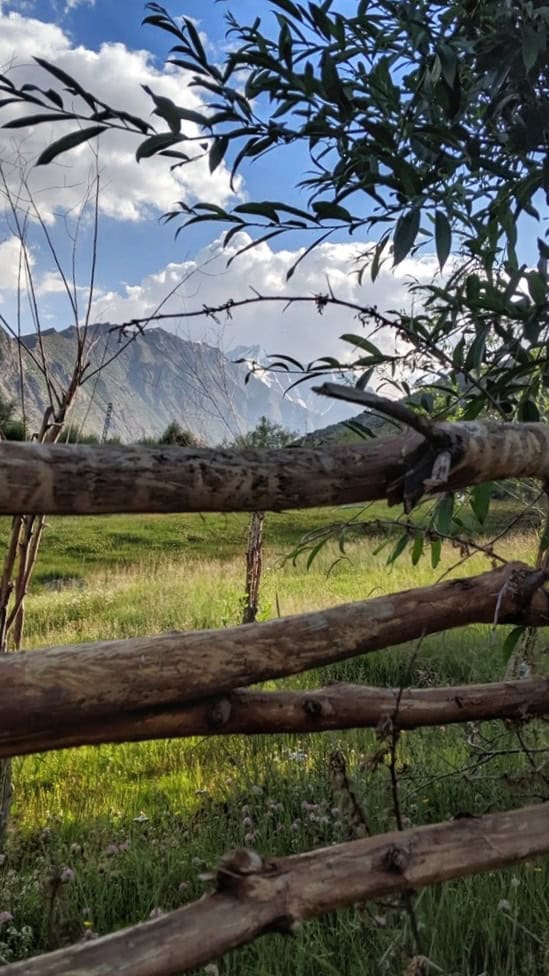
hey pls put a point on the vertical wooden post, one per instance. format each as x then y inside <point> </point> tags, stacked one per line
<point>254,558</point>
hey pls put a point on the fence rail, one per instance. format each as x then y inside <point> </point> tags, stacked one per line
<point>196,683</point>
<point>256,895</point>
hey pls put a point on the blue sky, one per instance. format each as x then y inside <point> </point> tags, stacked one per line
<point>104,45</point>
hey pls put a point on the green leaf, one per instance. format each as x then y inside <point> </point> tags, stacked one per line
<point>361,343</point>
<point>436,550</point>
<point>398,549</point>
<point>405,234</point>
<point>154,144</point>
<point>217,152</point>
<point>264,209</point>
<point>417,549</point>
<point>537,286</point>
<point>528,412</point>
<point>326,210</point>
<point>511,642</point>
<point>69,142</point>
<point>480,501</point>
<point>443,514</point>
<point>443,237</point>
<point>35,120</point>
<point>288,7</point>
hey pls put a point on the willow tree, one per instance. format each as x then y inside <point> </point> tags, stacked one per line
<point>414,128</point>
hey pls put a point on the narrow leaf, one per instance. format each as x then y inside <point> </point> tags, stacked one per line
<point>69,142</point>
<point>443,237</point>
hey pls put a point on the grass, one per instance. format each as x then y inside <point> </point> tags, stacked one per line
<point>101,838</point>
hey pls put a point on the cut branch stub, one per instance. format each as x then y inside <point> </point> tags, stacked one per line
<point>255,894</point>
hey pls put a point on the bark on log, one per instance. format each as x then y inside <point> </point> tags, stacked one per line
<point>80,480</point>
<point>256,895</point>
<point>53,689</point>
<point>338,706</point>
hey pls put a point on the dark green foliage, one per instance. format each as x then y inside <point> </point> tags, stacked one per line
<point>266,434</point>
<point>175,434</point>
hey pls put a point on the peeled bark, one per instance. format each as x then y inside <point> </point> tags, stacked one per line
<point>43,692</point>
<point>338,706</point>
<point>256,895</point>
<point>79,480</point>
<point>254,561</point>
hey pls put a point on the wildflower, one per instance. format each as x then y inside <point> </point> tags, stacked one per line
<point>183,885</point>
<point>295,825</point>
<point>504,905</point>
<point>2,859</point>
<point>298,756</point>
<point>257,790</point>
<point>211,969</point>
<point>88,924</point>
<point>142,818</point>
<point>76,849</point>
<point>124,846</point>
<point>250,837</point>
<point>5,917</point>
<point>67,875</point>
<point>515,882</point>
<point>156,912</point>
<point>111,849</point>
<point>247,822</point>
<point>89,935</point>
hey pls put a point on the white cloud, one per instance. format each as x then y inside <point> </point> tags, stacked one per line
<point>12,272</point>
<point>299,330</point>
<point>113,73</point>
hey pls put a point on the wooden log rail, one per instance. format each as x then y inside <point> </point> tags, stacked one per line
<point>338,706</point>
<point>47,694</point>
<point>78,480</point>
<point>256,895</point>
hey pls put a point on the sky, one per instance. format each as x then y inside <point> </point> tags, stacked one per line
<point>104,45</point>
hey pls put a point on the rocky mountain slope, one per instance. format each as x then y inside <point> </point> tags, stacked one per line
<point>156,379</point>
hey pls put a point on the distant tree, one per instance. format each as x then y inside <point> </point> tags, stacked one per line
<point>7,409</point>
<point>177,435</point>
<point>266,434</point>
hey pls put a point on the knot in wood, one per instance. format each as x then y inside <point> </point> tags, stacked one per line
<point>219,713</point>
<point>396,859</point>
<point>237,865</point>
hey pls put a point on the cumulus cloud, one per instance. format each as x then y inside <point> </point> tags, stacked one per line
<point>114,73</point>
<point>12,273</point>
<point>298,330</point>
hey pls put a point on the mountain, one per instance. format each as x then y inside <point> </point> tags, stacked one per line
<point>155,379</point>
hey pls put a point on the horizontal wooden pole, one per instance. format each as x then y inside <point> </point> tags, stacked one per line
<point>50,690</point>
<point>338,706</point>
<point>77,479</point>
<point>256,895</point>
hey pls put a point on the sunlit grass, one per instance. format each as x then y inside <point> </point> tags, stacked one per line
<point>137,824</point>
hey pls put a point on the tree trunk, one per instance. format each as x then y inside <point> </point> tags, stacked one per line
<point>55,688</point>
<point>254,558</point>
<point>81,480</point>
<point>256,895</point>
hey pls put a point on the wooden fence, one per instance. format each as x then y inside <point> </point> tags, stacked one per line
<point>113,691</point>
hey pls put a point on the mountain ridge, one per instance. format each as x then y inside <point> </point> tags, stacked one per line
<point>157,378</point>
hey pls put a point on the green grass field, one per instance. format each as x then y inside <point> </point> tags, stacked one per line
<point>104,837</point>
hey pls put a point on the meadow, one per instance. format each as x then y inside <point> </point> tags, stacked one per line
<point>101,838</point>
